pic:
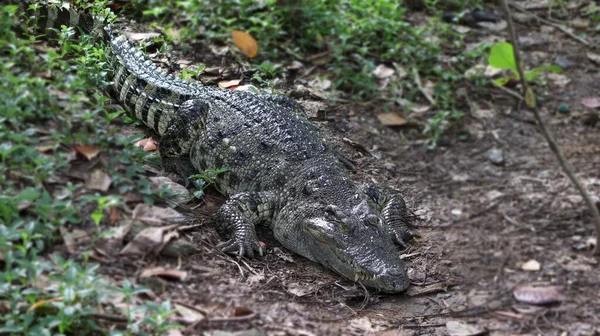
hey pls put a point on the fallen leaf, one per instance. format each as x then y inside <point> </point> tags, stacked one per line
<point>174,332</point>
<point>43,303</point>
<point>381,71</point>
<point>110,242</point>
<point>594,57</point>
<point>391,119</point>
<point>177,193</point>
<point>456,328</point>
<point>320,83</point>
<point>241,311</point>
<point>188,314</point>
<point>229,84</point>
<point>89,152</point>
<point>531,265</point>
<point>114,216</point>
<point>151,241</point>
<point>591,102</point>
<point>147,144</point>
<point>165,273</point>
<point>539,295</point>
<point>44,148</point>
<point>245,42</point>
<point>298,289</point>
<point>155,215</point>
<point>98,180</point>
<point>559,79</point>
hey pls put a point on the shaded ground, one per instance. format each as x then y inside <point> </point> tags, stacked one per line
<point>480,222</point>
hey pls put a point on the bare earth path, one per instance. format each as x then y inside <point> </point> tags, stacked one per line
<point>480,222</point>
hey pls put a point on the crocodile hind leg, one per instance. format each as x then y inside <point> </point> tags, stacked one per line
<point>176,142</point>
<point>237,218</point>
<point>392,210</point>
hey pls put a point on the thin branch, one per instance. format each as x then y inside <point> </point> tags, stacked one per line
<point>548,135</point>
<point>421,88</point>
<point>550,23</point>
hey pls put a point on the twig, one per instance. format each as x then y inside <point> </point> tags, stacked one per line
<point>510,92</point>
<point>549,137</point>
<point>421,88</point>
<point>550,23</point>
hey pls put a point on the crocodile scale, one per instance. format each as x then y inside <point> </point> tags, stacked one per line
<point>281,172</point>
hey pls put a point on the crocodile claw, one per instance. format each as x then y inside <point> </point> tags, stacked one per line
<point>402,234</point>
<point>241,247</point>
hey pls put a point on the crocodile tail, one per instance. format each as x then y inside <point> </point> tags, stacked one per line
<point>147,93</point>
<point>49,18</point>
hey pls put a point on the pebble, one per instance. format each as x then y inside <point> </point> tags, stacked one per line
<point>496,156</point>
<point>564,62</point>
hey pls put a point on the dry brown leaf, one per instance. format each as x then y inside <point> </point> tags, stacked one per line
<point>188,314</point>
<point>44,148</point>
<point>98,180</point>
<point>391,119</point>
<point>155,215</point>
<point>179,194</point>
<point>89,152</point>
<point>456,328</point>
<point>229,84</point>
<point>110,243</point>
<point>147,144</point>
<point>43,303</point>
<point>539,295</point>
<point>245,42</point>
<point>594,57</point>
<point>381,71</point>
<point>241,311</point>
<point>165,273</point>
<point>150,241</point>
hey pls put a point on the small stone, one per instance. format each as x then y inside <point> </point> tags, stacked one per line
<point>564,62</point>
<point>496,156</point>
<point>564,109</point>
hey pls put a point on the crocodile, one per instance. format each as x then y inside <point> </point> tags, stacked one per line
<point>282,172</point>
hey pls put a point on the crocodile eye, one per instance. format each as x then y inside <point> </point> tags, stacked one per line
<point>371,220</point>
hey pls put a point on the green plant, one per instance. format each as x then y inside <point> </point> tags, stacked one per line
<point>501,57</point>
<point>205,179</point>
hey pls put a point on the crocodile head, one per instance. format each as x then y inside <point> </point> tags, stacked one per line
<point>354,244</point>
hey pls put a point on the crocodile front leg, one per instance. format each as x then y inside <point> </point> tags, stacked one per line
<point>392,210</point>
<point>237,218</point>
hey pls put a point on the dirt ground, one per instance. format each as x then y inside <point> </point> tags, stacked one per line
<point>483,226</point>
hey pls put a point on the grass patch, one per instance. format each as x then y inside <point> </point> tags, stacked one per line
<point>52,99</point>
<point>354,35</point>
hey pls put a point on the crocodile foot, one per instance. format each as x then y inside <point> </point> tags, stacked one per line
<point>401,234</point>
<point>241,246</point>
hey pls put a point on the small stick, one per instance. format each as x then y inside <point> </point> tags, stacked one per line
<point>421,88</point>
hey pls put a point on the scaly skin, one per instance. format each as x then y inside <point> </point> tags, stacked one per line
<point>281,171</point>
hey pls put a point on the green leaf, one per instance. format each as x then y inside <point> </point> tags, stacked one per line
<point>530,98</point>
<point>501,81</point>
<point>502,57</point>
<point>28,194</point>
